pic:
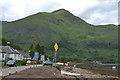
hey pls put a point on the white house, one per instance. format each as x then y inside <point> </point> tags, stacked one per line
<point>23,55</point>
<point>7,51</point>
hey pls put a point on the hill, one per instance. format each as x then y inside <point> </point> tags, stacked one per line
<point>77,40</point>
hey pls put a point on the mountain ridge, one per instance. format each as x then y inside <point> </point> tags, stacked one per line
<point>59,10</point>
<point>74,36</point>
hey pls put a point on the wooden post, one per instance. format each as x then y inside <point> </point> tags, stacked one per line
<point>55,57</point>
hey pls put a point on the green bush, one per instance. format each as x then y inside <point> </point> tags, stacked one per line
<point>9,59</point>
<point>23,62</point>
<point>39,61</point>
<point>18,62</point>
<point>58,67</point>
<point>32,63</point>
<point>2,60</point>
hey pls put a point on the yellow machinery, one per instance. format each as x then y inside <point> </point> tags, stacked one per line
<point>69,63</point>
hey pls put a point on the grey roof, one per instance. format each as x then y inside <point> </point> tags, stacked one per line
<point>24,54</point>
<point>7,49</point>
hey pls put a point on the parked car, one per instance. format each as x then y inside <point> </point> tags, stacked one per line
<point>11,63</point>
<point>47,63</point>
<point>28,62</point>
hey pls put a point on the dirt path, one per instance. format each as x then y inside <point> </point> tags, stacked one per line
<point>88,74</point>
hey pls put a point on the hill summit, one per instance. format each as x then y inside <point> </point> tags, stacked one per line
<point>77,40</point>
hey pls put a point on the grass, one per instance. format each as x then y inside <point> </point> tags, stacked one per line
<point>58,67</point>
<point>27,64</point>
<point>3,67</point>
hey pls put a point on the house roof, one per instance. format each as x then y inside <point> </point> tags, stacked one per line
<point>24,54</point>
<point>7,49</point>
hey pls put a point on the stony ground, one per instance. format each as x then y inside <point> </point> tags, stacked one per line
<point>88,74</point>
<point>51,72</point>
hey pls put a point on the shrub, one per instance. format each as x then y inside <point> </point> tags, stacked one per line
<point>58,67</point>
<point>39,62</point>
<point>2,60</point>
<point>18,62</point>
<point>23,62</point>
<point>33,62</point>
<point>9,58</point>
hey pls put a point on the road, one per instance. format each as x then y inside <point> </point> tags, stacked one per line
<point>37,72</point>
<point>5,72</point>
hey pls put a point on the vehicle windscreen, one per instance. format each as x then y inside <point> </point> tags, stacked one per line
<point>49,62</point>
<point>10,61</point>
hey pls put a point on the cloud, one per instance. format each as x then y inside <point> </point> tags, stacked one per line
<point>105,12</point>
<point>92,11</point>
<point>14,9</point>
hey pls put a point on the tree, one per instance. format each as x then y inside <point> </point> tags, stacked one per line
<point>46,56</point>
<point>42,50</point>
<point>4,42</point>
<point>15,46</point>
<point>31,52</point>
<point>31,47</point>
<point>63,59</point>
<point>38,48</point>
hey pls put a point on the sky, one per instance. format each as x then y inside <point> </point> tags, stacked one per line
<point>96,12</point>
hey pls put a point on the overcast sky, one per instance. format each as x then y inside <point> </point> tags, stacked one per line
<point>95,12</point>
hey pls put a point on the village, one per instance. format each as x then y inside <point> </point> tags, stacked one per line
<point>8,53</point>
<point>19,64</point>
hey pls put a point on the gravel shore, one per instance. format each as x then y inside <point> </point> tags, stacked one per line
<point>88,74</point>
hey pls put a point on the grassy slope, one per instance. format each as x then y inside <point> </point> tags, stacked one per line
<point>76,38</point>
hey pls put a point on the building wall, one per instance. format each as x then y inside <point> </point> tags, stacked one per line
<point>25,58</point>
<point>3,55</point>
<point>13,56</point>
<point>20,57</point>
<point>0,56</point>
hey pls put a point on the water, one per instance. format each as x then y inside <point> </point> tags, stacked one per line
<point>97,66</point>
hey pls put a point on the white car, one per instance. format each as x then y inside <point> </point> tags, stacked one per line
<point>28,61</point>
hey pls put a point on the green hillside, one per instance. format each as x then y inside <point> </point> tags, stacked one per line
<point>78,41</point>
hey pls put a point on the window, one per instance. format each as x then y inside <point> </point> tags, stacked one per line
<point>15,56</point>
<point>21,57</point>
<point>8,55</point>
<point>2,55</point>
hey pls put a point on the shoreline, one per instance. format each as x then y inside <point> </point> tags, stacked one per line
<point>101,71</point>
